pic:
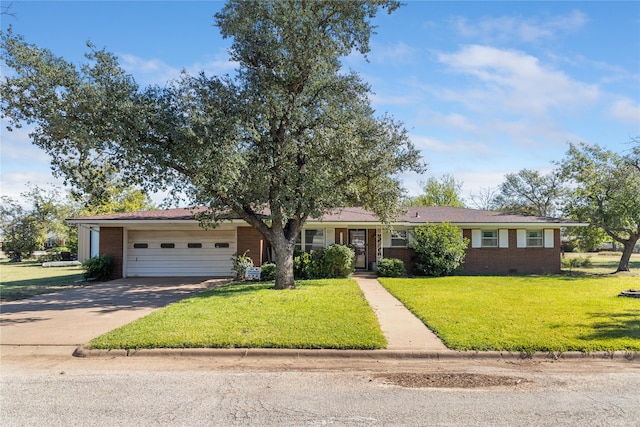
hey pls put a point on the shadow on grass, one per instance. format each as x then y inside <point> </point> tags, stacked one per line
<point>615,325</point>
<point>236,288</point>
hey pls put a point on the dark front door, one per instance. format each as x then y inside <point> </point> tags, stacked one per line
<point>358,239</point>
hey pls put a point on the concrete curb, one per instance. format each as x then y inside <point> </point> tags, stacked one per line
<point>356,354</point>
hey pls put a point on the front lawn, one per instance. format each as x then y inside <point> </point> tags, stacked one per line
<point>26,279</point>
<point>526,314</point>
<point>318,314</point>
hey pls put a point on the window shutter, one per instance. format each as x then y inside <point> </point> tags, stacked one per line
<point>476,238</point>
<point>549,237</point>
<point>522,238</point>
<point>503,238</point>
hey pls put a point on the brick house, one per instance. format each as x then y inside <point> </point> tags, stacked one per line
<point>171,242</point>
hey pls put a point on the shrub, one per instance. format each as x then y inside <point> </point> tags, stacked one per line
<point>267,272</point>
<point>391,267</point>
<point>439,249</point>
<point>240,265</point>
<point>98,268</point>
<point>336,261</point>
<point>306,264</point>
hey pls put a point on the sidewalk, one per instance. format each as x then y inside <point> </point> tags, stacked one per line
<point>401,328</point>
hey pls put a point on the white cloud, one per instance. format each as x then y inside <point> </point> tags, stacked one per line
<point>513,82</point>
<point>434,145</point>
<point>530,30</point>
<point>397,53</point>
<point>626,111</point>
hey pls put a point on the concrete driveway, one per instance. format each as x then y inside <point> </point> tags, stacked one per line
<point>74,317</point>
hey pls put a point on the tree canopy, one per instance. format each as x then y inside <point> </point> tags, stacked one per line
<point>528,192</point>
<point>290,135</point>
<point>443,191</point>
<point>605,193</point>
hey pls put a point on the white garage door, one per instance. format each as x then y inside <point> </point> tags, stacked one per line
<point>180,253</point>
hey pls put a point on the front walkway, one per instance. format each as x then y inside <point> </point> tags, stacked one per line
<point>401,328</point>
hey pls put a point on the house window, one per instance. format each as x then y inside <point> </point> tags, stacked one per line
<point>194,245</point>
<point>167,245</point>
<point>313,240</point>
<point>140,245</point>
<point>399,238</point>
<point>489,238</point>
<point>535,238</point>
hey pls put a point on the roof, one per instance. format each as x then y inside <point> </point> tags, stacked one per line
<point>414,215</point>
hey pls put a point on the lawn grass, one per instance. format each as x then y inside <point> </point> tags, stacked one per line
<point>318,314</point>
<point>526,314</point>
<point>19,280</point>
<point>603,263</point>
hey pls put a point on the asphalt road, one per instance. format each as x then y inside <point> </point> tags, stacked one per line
<point>57,390</point>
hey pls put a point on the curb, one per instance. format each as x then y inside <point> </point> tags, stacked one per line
<point>356,354</point>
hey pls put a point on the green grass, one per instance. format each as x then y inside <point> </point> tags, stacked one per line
<point>26,279</point>
<point>318,314</point>
<point>525,314</point>
<point>603,263</point>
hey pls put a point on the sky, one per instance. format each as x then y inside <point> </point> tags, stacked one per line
<point>483,88</point>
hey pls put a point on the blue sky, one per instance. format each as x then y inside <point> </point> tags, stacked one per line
<point>484,88</point>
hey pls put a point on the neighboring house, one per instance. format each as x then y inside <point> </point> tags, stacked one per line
<point>171,242</point>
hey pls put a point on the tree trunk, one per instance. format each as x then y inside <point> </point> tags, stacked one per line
<point>626,253</point>
<point>284,263</point>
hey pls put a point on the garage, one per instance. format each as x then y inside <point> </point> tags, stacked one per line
<point>155,253</point>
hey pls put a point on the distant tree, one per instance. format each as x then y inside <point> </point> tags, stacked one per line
<point>606,193</point>
<point>530,193</point>
<point>22,232</point>
<point>484,199</point>
<point>587,239</point>
<point>439,249</point>
<point>445,191</point>
<point>291,133</point>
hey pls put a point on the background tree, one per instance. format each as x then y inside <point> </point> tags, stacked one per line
<point>485,199</point>
<point>445,191</point>
<point>290,136</point>
<point>22,232</point>
<point>587,239</point>
<point>605,193</point>
<point>530,193</point>
<point>439,249</point>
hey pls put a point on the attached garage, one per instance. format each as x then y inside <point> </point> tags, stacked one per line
<point>154,253</point>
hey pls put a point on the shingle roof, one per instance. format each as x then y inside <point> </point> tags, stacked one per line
<point>414,215</point>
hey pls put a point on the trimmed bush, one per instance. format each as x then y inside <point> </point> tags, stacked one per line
<point>98,268</point>
<point>337,261</point>
<point>440,249</point>
<point>267,272</point>
<point>391,267</point>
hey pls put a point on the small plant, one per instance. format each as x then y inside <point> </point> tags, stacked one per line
<point>306,264</point>
<point>98,268</point>
<point>240,265</point>
<point>391,267</point>
<point>576,262</point>
<point>267,272</point>
<point>439,249</point>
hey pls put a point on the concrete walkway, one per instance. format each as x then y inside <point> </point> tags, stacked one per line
<point>401,328</point>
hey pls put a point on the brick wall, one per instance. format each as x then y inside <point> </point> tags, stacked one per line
<point>512,260</point>
<point>404,254</point>
<point>111,243</point>
<point>252,240</point>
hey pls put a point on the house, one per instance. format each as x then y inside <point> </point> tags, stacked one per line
<point>171,242</point>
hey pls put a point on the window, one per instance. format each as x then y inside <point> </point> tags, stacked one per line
<point>489,238</point>
<point>534,238</point>
<point>313,240</point>
<point>194,245</point>
<point>221,245</point>
<point>167,245</point>
<point>399,238</point>
<point>140,245</point>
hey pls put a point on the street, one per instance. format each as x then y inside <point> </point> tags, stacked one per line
<point>55,389</point>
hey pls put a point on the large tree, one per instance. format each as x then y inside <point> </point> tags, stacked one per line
<point>443,191</point>
<point>528,192</point>
<point>605,193</point>
<point>289,136</point>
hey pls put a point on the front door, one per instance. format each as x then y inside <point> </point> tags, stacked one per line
<point>358,239</point>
